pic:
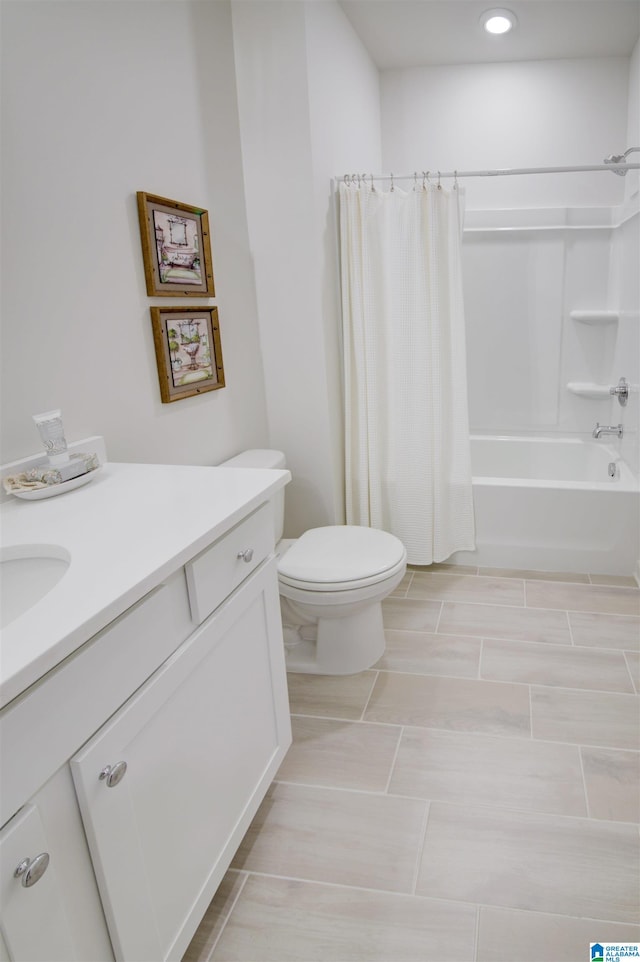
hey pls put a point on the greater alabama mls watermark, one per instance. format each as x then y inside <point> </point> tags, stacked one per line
<point>614,951</point>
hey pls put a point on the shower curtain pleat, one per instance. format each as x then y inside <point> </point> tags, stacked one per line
<point>406,420</point>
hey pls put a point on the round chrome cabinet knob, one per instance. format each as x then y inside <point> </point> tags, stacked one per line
<point>31,870</point>
<point>113,774</point>
<point>246,555</point>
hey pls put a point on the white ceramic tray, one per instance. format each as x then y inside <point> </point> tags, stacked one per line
<point>51,490</point>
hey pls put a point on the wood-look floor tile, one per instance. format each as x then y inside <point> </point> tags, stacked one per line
<point>406,614</point>
<point>545,863</point>
<point>622,581</point>
<point>208,932</point>
<point>505,772</point>
<point>284,920</point>
<point>605,631</point>
<point>632,659</point>
<point>456,704</point>
<point>525,851</point>
<point>340,754</point>
<point>333,696</point>
<point>423,652</point>
<point>599,598</point>
<point>613,783</point>
<point>401,590</point>
<point>505,935</point>
<point>570,576</point>
<point>585,717</point>
<point>327,835</point>
<point>441,586</point>
<point>495,621</point>
<point>563,665</point>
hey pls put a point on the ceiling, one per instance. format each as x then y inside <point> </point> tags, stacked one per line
<point>415,33</point>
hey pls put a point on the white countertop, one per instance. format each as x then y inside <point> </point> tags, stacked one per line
<point>128,529</point>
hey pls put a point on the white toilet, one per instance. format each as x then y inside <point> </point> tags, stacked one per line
<point>332,583</point>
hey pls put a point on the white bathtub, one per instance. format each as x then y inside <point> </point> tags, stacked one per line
<point>550,504</point>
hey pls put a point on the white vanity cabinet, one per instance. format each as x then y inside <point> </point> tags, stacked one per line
<point>54,916</point>
<point>34,919</point>
<point>201,742</point>
<point>138,762</point>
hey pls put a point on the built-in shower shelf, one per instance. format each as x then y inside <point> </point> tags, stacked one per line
<point>588,389</point>
<point>595,317</point>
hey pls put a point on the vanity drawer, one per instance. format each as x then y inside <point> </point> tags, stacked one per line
<point>219,569</point>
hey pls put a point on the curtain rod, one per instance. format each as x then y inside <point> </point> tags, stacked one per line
<point>430,175</point>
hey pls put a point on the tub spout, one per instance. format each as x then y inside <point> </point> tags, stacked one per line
<point>601,429</point>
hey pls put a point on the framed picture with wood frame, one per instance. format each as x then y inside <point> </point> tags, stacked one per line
<point>176,248</point>
<point>188,351</point>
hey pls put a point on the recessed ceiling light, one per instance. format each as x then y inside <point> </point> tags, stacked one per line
<point>498,21</point>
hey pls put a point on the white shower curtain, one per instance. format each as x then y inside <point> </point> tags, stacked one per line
<point>407,432</point>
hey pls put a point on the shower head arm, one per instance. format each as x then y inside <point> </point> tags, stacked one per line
<point>620,159</point>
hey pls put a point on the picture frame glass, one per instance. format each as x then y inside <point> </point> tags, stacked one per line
<point>189,344</point>
<point>178,247</point>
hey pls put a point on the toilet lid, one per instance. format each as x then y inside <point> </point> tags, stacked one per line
<point>337,554</point>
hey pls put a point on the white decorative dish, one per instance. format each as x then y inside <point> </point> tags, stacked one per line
<point>51,490</point>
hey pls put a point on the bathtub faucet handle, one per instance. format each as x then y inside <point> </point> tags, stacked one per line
<point>621,391</point>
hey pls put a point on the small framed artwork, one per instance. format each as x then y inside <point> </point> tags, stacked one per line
<point>188,351</point>
<point>176,248</point>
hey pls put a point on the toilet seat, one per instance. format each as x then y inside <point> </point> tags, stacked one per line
<point>341,558</point>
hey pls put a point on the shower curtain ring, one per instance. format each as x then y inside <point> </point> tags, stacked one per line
<point>455,180</point>
<point>372,187</point>
<point>415,180</point>
<point>392,187</point>
<point>439,185</point>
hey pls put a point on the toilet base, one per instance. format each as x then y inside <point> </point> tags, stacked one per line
<point>343,646</point>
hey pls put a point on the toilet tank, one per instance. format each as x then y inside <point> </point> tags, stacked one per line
<point>263,458</point>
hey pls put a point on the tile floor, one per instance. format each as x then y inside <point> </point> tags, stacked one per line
<point>474,797</point>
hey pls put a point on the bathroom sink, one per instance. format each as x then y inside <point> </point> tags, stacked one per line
<point>27,574</point>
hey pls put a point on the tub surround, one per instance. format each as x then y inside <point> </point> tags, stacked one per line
<point>595,317</point>
<point>590,390</point>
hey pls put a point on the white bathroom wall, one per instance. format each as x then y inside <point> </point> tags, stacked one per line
<point>531,114</point>
<point>309,105</point>
<point>100,100</point>
<point>626,363</point>
<point>522,284</point>
<point>625,286</point>
<point>344,112</point>
<point>632,179</point>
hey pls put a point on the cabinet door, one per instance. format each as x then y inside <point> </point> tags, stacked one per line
<point>202,740</point>
<point>33,924</point>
